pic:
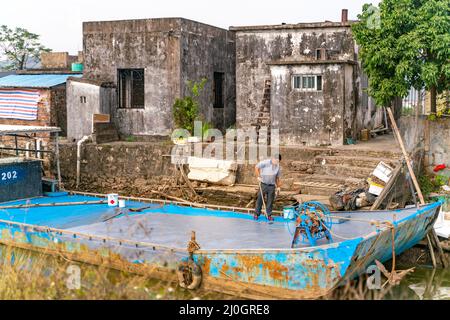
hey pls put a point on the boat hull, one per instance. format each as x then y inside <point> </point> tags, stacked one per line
<point>304,273</point>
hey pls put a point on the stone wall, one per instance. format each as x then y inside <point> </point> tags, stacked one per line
<point>116,164</point>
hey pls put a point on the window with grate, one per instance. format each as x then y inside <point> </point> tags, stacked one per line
<point>131,88</point>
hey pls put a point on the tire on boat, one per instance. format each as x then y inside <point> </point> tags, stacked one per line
<point>189,275</point>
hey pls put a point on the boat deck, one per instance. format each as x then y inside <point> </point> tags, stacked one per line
<point>171,225</point>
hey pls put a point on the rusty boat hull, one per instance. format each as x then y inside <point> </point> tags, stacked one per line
<point>237,255</point>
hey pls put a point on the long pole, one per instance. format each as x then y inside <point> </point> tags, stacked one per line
<point>58,165</point>
<point>264,202</point>
<point>406,156</point>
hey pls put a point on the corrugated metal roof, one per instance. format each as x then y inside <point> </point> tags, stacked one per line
<point>6,129</point>
<point>35,80</point>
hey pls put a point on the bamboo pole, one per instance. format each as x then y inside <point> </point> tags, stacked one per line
<point>407,158</point>
<point>53,204</point>
<point>430,247</point>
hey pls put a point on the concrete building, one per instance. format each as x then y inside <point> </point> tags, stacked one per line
<point>149,62</point>
<point>303,79</point>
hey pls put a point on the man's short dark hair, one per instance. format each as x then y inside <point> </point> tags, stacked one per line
<point>277,156</point>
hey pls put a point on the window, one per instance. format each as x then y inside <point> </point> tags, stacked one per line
<point>218,89</point>
<point>131,88</point>
<point>321,54</point>
<point>307,82</point>
<point>318,54</point>
<point>82,99</point>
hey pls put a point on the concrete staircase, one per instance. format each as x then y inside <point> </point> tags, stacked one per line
<point>105,132</point>
<point>330,173</point>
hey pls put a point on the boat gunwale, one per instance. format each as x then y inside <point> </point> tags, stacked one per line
<point>47,229</point>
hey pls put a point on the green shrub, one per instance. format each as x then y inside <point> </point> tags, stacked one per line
<point>186,110</point>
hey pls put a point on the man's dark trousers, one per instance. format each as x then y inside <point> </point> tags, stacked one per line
<point>269,193</point>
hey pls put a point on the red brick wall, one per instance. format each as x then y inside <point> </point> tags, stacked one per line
<point>43,119</point>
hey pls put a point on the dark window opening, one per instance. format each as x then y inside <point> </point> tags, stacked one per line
<point>218,89</point>
<point>318,54</point>
<point>82,99</point>
<point>131,88</point>
<point>319,83</point>
<point>321,54</point>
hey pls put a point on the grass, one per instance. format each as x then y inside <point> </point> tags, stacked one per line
<point>26,275</point>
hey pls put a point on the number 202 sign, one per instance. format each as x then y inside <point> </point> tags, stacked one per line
<point>9,176</point>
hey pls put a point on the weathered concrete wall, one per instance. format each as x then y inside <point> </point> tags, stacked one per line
<point>98,99</point>
<point>152,45</point>
<point>171,51</point>
<point>434,136</point>
<point>264,48</point>
<point>256,48</point>
<point>205,50</point>
<point>80,113</point>
<point>313,118</point>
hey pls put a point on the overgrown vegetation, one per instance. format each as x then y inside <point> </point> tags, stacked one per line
<point>35,276</point>
<point>405,44</point>
<point>432,184</point>
<point>20,47</point>
<point>186,110</point>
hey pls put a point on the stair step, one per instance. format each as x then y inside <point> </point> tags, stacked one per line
<point>342,170</point>
<point>395,156</point>
<point>339,180</point>
<point>317,188</point>
<point>363,162</point>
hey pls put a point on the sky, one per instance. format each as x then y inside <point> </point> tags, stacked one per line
<point>60,22</point>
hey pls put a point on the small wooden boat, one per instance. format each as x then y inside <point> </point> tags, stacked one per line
<point>229,252</point>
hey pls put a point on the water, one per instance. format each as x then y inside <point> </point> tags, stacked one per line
<point>423,284</point>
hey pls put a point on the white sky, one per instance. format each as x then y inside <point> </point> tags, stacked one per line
<point>59,22</point>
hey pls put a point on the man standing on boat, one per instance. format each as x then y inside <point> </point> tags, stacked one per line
<point>268,173</point>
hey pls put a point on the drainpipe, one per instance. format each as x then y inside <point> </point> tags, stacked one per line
<point>79,144</point>
<point>27,146</point>
<point>38,149</point>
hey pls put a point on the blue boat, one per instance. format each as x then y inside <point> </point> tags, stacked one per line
<point>303,255</point>
<point>230,252</point>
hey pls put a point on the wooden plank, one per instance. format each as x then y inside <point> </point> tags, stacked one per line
<point>101,118</point>
<point>387,188</point>
<point>405,154</point>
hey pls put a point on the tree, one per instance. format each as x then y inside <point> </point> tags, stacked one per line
<point>19,46</point>
<point>405,44</point>
<point>186,110</point>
